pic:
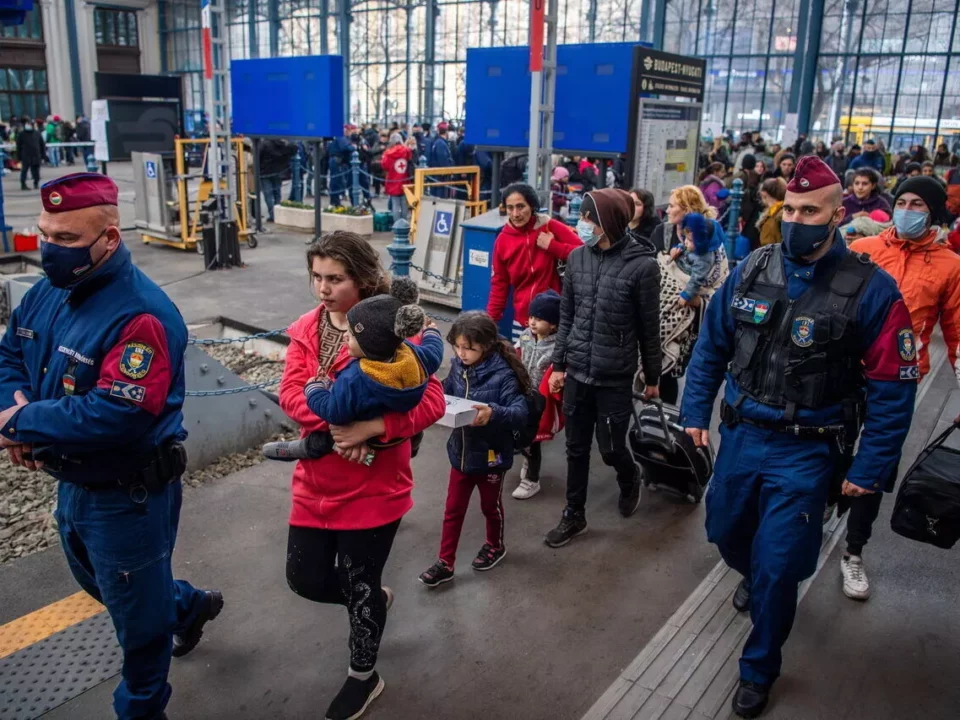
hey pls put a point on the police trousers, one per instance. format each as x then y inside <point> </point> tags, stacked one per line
<point>118,543</point>
<point>765,507</point>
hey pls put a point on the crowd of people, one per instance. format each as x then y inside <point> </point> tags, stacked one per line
<point>812,344</point>
<point>37,142</point>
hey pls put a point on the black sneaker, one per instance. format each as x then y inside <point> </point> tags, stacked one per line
<point>436,574</point>
<point>212,605</point>
<point>630,499</point>
<point>741,596</point>
<point>488,558</point>
<point>750,699</point>
<point>571,525</point>
<point>355,697</point>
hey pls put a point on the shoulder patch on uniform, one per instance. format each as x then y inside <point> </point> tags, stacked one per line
<point>743,303</point>
<point>25,333</point>
<point>906,345</point>
<point>802,332</point>
<point>909,372</point>
<point>135,360</point>
<point>128,391</point>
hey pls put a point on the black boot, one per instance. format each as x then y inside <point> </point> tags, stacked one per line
<point>212,605</point>
<point>741,597</point>
<point>750,699</point>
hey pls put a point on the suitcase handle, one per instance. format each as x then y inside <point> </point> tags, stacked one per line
<point>658,403</point>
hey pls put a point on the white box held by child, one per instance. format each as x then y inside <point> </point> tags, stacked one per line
<point>460,412</point>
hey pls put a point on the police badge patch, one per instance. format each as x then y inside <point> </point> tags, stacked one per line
<point>135,360</point>
<point>906,345</point>
<point>760,311</point>
<point>802,332</point>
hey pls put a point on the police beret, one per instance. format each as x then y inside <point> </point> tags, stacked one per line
<point>78,191</point>
<point>811,174</point>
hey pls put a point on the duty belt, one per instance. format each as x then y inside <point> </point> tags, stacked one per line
<point>730,417</point>
<point>153,471</point>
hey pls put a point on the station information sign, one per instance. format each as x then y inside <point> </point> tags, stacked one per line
<point>665,146</point>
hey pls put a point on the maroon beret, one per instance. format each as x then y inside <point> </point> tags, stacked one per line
<point>78,191</point>
<point>811,174</point>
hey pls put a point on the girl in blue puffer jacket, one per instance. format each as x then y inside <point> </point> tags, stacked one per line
<point>486,369</point>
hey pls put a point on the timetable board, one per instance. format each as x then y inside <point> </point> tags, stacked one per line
<point>665,146</point>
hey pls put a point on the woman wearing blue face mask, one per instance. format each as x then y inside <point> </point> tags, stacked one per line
<point>927,272</point>
<point>609,323</point>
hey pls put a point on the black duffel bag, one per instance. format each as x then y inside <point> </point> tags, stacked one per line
<point>928,502</point>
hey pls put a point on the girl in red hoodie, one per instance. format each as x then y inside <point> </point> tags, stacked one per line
<point>526,253</point>
<point>345,514</point>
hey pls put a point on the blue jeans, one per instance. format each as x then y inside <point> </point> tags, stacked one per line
<point>271,193</point>
<point>765,507</point>
<point>53,156</point>
<point>398,206</point>
<point>118,544</point>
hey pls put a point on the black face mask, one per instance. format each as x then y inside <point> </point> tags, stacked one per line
<point>66,266</point>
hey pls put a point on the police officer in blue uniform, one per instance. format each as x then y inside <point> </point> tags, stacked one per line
<point>816,347</point>
<point>91,374</point>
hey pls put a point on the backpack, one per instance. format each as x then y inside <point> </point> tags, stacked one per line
<point>928,503</point>
<point>536,404</point>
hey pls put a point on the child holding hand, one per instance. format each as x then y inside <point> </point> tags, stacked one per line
<point>698,255</point>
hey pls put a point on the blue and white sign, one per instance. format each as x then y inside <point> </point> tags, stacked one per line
<point>442,223</point>
<point>151,168</point>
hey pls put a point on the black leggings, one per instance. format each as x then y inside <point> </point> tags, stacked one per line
<point>343,567</point>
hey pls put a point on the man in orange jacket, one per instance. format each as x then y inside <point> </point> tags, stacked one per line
<point>927,271</point>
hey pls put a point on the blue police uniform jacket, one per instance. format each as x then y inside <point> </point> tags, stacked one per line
<point>101,364</point>
<point>881,318</point>
<point>340,152</point>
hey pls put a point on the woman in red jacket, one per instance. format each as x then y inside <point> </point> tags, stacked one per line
<point>346,513</point>
<point>526,253</point>
<point>398,166</point>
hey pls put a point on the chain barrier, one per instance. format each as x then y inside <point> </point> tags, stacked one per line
<point>241,339</point>
<point>232,391</point>
<point>433,275</point>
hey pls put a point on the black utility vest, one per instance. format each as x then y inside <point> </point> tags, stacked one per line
<point>803,352</point>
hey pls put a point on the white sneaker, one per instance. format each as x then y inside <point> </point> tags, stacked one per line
<point>526,490</point>
<point>855,583</point>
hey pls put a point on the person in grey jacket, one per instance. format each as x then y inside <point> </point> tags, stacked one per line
<point>609,323</point>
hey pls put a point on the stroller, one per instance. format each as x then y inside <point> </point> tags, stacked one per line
<point>669,459</point>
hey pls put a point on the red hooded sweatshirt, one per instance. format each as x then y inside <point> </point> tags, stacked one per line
<point>330,492</point>
<point>519,262</point>
<point>397,167</point>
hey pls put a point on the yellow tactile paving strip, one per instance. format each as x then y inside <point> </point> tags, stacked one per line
<point>25,631</point>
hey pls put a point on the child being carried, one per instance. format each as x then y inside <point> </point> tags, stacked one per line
<point>388,373</point>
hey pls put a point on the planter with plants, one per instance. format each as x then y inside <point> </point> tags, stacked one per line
<point>354,219</point>
<point>294,215</point>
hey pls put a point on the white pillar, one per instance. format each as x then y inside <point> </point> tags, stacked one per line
<point>148,26</point>
<point>87,50</point>
<point>59,78</point>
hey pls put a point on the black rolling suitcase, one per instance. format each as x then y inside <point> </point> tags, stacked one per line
<point>669,459</point>
<point>928,501</point>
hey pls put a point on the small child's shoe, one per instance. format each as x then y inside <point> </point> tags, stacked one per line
<point>436,574</point>
<point>526,489</point>
<point>488,558</point>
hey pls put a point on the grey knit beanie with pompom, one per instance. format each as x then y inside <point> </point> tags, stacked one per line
<point>381,323</point>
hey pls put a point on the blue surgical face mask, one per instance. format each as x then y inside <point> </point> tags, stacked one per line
<point>910,224</point>
<point>66,266</point>
<point>586,233</point>
<point>799,240</point>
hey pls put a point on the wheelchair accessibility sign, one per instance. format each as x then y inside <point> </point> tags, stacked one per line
<point>442,223</point>
<point>151,167</point>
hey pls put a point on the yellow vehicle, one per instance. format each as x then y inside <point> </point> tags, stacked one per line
<point>902,131</point>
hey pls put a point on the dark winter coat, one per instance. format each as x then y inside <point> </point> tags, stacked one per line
<point>646,228</point>
<point>853,205</point>
<point>610,314</point>
<point>83,131</point>
<point>837,163</point>
<point>661,243</point>
<point>486,449</point>
<point>438,154</point>
<point>275,157</point>
<point>30,147</point>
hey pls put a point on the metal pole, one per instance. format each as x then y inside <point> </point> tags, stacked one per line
<point>896,93</point>
<point>733,219</point>
<point>355,178</point>
<point>798,57</point>
<point>946,72</point>
<point>324,27</point>
<point>409,75</point>
<point>645,19</point>
<point>429,60</point>
<point>317,205</point>
<point>273,21</point>
<point>401,251</point>
<point>497,158</point>
<point>343,11</point>
<point>533,149</point>
<point>810,78</point>
<point>252,45</point>
<point>658,26</point>
<point>549,100</point>
<point>257,210</point>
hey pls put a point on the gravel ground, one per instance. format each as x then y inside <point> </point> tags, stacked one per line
<point>27,498</point>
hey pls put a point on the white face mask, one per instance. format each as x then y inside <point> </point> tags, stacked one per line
<point>28,126</point>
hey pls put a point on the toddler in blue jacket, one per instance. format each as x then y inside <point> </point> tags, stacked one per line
<point>697,255</point>
<point>388,373</point>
